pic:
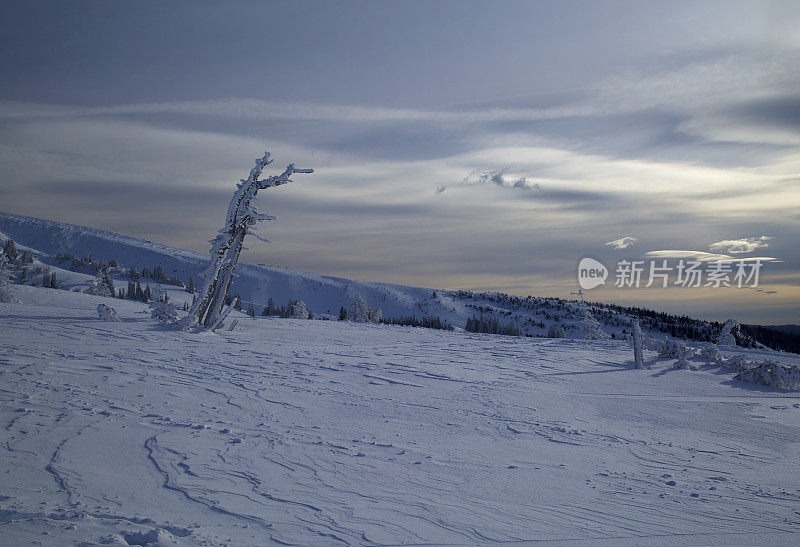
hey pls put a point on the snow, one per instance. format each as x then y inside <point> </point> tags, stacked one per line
<point>773,375</point>
<point>320,432</point>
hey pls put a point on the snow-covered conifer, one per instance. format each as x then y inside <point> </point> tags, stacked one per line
<point>299,310</point>
<point>358,312</point>
<point>556,331</point>
<point>375,315</point>
<point>10,251</point>
<point>591,327</point>
<point>102,285</point>
<point>159,274</point>
<point>726,337</point>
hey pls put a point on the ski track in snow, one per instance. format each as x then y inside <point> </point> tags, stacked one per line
<point>322,432</point>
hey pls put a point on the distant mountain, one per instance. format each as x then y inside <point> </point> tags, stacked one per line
<point>324,295</point>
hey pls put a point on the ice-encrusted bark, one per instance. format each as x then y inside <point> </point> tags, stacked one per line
<point>638,346</point>
<point>207,309</point>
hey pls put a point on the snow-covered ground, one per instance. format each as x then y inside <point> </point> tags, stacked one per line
<point>322,432</point>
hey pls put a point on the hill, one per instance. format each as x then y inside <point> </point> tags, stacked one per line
<point>62,247</point>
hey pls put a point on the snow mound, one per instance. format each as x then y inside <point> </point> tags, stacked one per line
<point>738,362</point>
<point>772,375</point>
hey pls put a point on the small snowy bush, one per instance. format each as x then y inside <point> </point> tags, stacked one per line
<point>672,349</point>
<point>683,364</point>
<point>107,313</point>
<point>165,312</point>
<point>556,331</point>
<point>710,354</point>
<point>773,375</point>
<point>738,362</point>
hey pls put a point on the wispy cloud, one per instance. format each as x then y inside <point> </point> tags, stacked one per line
<point>739,246</point>
<point>622,243</point>
<point>500,179</point>
<point>702,256</point>
<point>707,92</point>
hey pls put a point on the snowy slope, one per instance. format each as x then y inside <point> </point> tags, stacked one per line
<point>254,283</point>
<point>324,295</point>
<point>326,432</point>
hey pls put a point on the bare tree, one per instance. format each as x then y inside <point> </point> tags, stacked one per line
<point>208,309</point>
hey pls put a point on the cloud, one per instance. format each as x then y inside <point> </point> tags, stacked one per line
<point>702,256</point>
<point>440,189</point>
<point>622,243</point>
<point>499,179</point>
<point>738,246</point>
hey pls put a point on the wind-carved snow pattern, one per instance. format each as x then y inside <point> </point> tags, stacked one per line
<point>321,432</point>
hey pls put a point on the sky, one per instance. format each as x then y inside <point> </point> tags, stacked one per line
<point>460,145</point>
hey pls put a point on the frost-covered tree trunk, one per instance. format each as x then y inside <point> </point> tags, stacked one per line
<point>638,347</point>
<point>207,310</point>
<point>6,281</point>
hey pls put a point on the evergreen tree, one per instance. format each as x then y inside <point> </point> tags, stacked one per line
<point>147,296</point>
<point>159,274</point>
<point>190,286</point>
<point>10,251</point>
